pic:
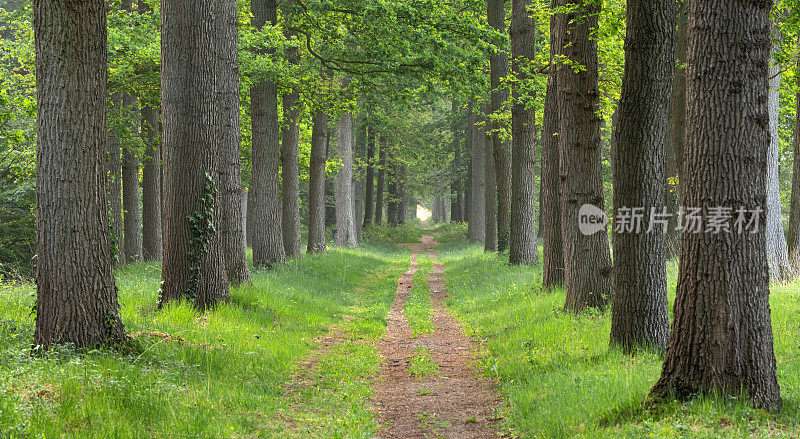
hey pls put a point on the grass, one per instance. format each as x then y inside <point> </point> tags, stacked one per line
<point>560,378</point>
<point>293,355</point>
<point>422,364</point>
<point>230,371</point>
<point>418,306</point>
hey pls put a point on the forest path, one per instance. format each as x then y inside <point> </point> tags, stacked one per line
<point>454,401</point>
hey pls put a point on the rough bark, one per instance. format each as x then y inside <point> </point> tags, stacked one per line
<point>721,339</point>
<point>380,186</point>
<point>780,269</point>
<point>369,202</point>
<point>151,184</point>
<point>457,196</point>
<point>639,311</point>
<point>498,61</point>
<point>290,151</point>
<point>231,232</point>
<point>316,184</point>
<point>115,185</point>
<point>391,189</point>
<point>264,219</point>
<point>345,195</point>
<point>359,151</point>
<point>522,239</point>
<point>193,267</point>
<point>674,154</point>
<point>76,299</point>
<point>490,194</point>
<point>476,228</point>
<point>132,217</point>
<point>793,240</point>
<point>587,259</point>
<point>550,201</point>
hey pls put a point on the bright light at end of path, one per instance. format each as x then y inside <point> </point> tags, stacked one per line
<point>423,214</point>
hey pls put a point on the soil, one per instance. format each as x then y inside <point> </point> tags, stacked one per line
<point>454,402</point>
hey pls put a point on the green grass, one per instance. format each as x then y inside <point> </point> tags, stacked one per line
<point>422,364</point>
<point>418,306</point>
<point>230,371</point>
<point>560,378</point>
<point>409,233</point>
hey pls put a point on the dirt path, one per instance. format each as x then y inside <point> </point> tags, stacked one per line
<point>455,402</point>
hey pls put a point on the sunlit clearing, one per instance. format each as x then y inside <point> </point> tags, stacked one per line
<point>423,213</point>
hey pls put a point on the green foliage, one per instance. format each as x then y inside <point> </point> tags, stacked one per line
<point>405,234</point>
<point>201,226</point>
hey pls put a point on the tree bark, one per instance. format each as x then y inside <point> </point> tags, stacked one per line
<point>316,184</point>
<point>780,270</point>
<point>721,339</point>
<point>550,201</point>
<point>76,299</point>
<point>639,316</point>
<point>359,151</point>
<point>587,259</point>
<point>457,197</point>
<point>369,201</point>
<point>115,185</point>
<point>476,228</point>
<point>264,218</point>
<point>793,240</point>
<point>132,217</point>
<point>498,61</point>
<point>490,194</point>
<point>194,265</point>
<point>231,231</point>
<point>379,190</point>
<point>674,155</point>
<point>151,184</point>
<point>522,239</point>
<point>290,151</point>
<point>391,189</point>
<point>345,195</point>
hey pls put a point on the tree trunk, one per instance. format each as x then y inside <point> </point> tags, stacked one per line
<point>316,184</point>
<point>490,194</point>
<point>522,239</point>
<point>369,202</point>
<point>264,218</point>
<point>115,185</point>
<point>290,151</point>
<point>639,306</point>
<point>359,151</point>
<point>793,240</point>
<point>379,190</point>
<point>132,217</point>
<point>780,269</point>
<point>550,201</point>
<point>457,197</point>
<point>345,196</point>
<point>587,258</point>
<point>151,184</point>
<point>193,265</point>
<point>231,232</point>
<point>495,12</point>
<point>674,155</point>
<point>76,300</point>
<point>476,228</point>
<point>391,189</point>
<point>721,339</point>
<point>402,207</point>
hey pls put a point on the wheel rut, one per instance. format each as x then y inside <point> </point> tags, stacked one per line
<point>455,401</point>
